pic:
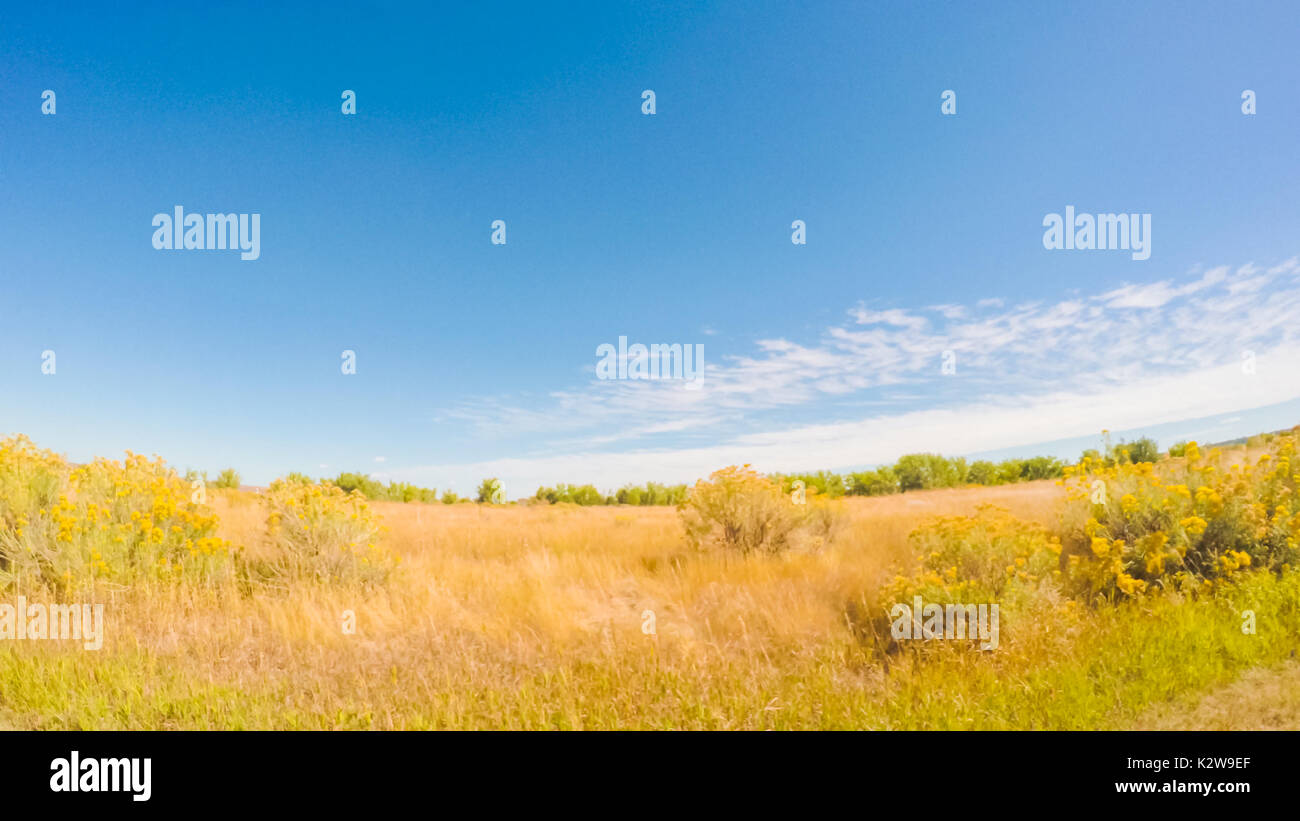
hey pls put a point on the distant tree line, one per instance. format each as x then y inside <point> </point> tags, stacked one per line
<point>923,471</point>
<point>913,471</point>
<point>651,493</point>
<point>379,491</point>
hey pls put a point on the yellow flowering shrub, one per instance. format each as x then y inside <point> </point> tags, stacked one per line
<point>739,509</point>
<point>30,479</point>
<point>1130,528</point>
<point>106,523</point>
<point>822,518</point>
<point>979,558</point>
<point>321,533</point>
<point>989,558</point>
<point>113,525</point>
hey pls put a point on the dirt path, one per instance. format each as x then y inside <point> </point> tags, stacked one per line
<point>1262,699</point>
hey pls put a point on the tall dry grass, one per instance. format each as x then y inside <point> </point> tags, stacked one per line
<point>497,610</point>
<point>535,617</point>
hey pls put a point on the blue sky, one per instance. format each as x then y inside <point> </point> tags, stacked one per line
<point>924,233</point>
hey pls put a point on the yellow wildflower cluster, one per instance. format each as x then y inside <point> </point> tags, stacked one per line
<point>979,558</point>
<point>320,532</point>
<point>106,522</point>
<point>1186,521</point>
<point>990,558</point>
<point>30,479</point>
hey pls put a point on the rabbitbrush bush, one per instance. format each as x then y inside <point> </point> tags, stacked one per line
<point>739,509</point>
<point>1191,521</point>
<point>107,524</point>
<point>320,533</point>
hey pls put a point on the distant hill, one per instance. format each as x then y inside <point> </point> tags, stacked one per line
<point>1242,440</point>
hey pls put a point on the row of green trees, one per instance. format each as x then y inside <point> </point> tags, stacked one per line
<point>228,478</point>
<point>913,471</point>
<point>1139,450</point>
<point>651,493</point>
<point>923,471</point>
<point>380,492</point>
<point>391,492</point>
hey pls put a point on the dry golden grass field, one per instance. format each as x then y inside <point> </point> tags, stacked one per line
<point>541,616</point>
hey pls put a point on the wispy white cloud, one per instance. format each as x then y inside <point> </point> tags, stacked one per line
<point>894,316</point>
<point>1141,354</point>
